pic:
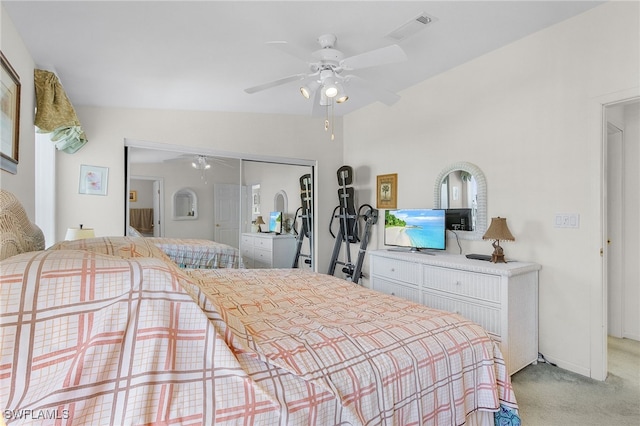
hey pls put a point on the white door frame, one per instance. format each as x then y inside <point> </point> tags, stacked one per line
<point>598,293</point>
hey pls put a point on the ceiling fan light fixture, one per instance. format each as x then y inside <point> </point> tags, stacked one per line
<point>309,88</point>
<point>341,96</point>
<point>330,90</point>
<point>201,164</point>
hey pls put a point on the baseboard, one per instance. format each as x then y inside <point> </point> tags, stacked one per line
<point>569,366</point>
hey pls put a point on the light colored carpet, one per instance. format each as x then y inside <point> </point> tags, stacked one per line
<point>550,396</point>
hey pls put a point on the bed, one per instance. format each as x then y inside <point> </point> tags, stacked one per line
<point>187,253</point>
<point>121,335</point>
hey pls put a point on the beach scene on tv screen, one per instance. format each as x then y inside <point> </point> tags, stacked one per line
<point>414,228</point>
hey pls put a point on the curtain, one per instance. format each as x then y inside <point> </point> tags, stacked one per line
<point>55,114</point>
<point>141,220</point>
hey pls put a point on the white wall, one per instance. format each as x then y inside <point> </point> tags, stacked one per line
<point>300,137</point>
<point>21,184</point>
<point>144,193</point>
<point>521,114</point>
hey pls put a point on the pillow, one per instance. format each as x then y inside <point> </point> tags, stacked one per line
<point>124,247</point>
<point>17,233</point>
<point>133,232</point>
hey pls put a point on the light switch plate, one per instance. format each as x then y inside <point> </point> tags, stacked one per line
<point>567,220</point>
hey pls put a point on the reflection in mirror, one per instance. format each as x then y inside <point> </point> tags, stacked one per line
<point>276,181</point>
<point>255,199</point>
<point>280,202</point>
<point>185,205</point>
<point>462,187</point>
<point>224,199</point>
<point>146,216</point>
<point>459,196</point>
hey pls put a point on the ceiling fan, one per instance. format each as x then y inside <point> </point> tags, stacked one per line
<point>200,162</point>
<point>327,80</point>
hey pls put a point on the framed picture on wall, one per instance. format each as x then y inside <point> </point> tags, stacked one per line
<point>9,116</point>
<point>387,191</point>
<point>133,196</point>
<point>93,180</point>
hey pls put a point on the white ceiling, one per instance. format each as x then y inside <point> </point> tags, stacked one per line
<point>201,55</point>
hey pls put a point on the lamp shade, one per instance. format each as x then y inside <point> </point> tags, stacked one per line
<point>498,230</point>
<point>258,222</point>
<point>79,233</point>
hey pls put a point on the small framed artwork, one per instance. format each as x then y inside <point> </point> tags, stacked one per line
<point>387,191</point>
<point>93,180</point>
<point>133,196</point>
<point>9,116</point>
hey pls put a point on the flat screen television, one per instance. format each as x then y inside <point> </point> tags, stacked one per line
<point>275,222</point>
<point>459,219</point>
<point>415,229</point>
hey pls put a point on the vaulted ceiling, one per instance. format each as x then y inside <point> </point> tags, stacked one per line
<point>201,55</point>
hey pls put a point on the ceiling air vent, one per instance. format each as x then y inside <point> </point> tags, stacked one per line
<point>411,27</point>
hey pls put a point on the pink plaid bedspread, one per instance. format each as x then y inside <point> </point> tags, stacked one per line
<point>194,253</point>
<point>388,361</point>
<point>89,338</point>
<point>186,253</point>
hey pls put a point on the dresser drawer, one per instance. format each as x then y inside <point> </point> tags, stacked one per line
<point>264,243</point>
<point>247,240</point>
<point>262,256</point>
<point>406,291</point>
<point>396,270</point>
<point>463,283</point>
<point>486,316</point>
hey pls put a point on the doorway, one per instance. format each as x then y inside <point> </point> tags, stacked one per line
<point>145,206</point>
<point>621,149</point>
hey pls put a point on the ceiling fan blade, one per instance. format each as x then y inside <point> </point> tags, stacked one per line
<point>291,49</point>
<point>384,55</point>
<point>275,83</point>
<point>383,95</point>
<point>193,158</point>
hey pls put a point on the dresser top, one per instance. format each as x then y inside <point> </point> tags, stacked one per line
<point>459,261</point>
<point>270,235</point>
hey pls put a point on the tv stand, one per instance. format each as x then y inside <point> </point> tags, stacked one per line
<point>423,251</point>
<point>413,250</point>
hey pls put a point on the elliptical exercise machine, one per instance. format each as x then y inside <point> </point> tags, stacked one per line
<point>349,232</point>
<point>304,213</point>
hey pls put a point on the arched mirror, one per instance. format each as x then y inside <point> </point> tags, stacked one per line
<point>185,205</point>
<point>462,188</point>
<point>280,202</point>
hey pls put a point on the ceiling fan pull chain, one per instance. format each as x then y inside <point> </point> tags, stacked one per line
<point>332,119</point>
<point>326,119</point>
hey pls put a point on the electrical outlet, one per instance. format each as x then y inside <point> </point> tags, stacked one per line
<point>567,220</point>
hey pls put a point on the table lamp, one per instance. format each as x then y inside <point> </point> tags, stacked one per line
<point>498,231</point>
<point>79,233</point>
<point>259,221</point>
